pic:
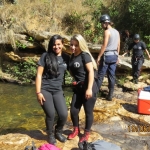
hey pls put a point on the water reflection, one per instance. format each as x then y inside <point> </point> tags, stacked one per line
<point>19,108</point>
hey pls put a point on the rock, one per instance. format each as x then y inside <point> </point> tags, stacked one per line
<point>132,86</point>
<point>21,57</point>
<point>12,56</point>
<point>114,121</point>
<point>148,81</point>
<point>125,63</point>
<point>14,139</point>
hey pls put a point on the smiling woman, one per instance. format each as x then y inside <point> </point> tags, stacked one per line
<point>50,73</point>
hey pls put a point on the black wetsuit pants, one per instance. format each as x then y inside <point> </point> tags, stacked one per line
<point>78,100</point>
<point>54,101</point>
<point>136,66</point>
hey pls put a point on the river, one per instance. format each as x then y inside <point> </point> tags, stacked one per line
<point>19,109</point>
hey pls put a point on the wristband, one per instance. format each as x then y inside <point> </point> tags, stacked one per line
<point>38,93</point>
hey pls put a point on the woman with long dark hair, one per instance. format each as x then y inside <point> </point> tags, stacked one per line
<point>50,72</point>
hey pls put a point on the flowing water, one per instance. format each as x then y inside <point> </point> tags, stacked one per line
<point>19,109</point>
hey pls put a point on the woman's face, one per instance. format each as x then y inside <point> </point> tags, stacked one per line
<point>57,47</point>
<point>74,47</point>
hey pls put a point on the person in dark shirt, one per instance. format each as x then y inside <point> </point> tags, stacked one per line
<point>82,66</point>
<point>50,72</point>
<point>138,47</point>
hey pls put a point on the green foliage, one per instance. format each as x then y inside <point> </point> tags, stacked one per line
<point>20,45</point>
<point>92,29</point>
<point>147,41</point>
<point>31,39</point>
<point>132,15</point>
<point>68,99</point>
<point>68,78</point>
<point>121,80</point>
<point>24,71</point>
<point>73,21</point>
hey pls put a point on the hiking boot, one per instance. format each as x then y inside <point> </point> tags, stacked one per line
<point>110,94</point>
<point>136,81</point>
<point>51,138</point>
<point>84,137</point>
<point>74,133</point>
<point>59,136</point>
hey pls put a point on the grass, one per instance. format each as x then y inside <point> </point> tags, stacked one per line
<point>40,14</point>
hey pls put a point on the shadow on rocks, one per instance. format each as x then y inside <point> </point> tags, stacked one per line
<point>36,134</point>
<point>130,107</point>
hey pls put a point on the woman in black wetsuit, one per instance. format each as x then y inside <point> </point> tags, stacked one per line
<point>50,72</point>
<point>82,67</point>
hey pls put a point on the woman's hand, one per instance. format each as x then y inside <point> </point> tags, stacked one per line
<point>40,98</point>
<point>88,93</point>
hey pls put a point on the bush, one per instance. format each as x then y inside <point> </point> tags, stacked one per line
<point>24,71</point>
<point>73,21</point>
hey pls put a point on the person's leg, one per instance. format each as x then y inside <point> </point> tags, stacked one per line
<point>134,68</point>
<point>61,109</point>
<point>101,73</point>
<point>111,80</point>
<point>48,107</point>
<point>138,69</point>
<point>88,108</point>
<point>77,101</point>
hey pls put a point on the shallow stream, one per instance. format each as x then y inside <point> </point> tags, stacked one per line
<point>19,109</point>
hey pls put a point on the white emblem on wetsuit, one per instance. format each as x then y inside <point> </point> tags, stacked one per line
<point>64,64</point>
<point>139,47</point>
<point>76,65</point>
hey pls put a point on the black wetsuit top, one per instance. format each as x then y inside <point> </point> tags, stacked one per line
<point>138,48</point>
<point>49,82</point>
<point>77,66</point>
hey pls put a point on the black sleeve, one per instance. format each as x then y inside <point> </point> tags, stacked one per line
<point>86,58</point>
<point>41,61</point>
<point>143,46</point>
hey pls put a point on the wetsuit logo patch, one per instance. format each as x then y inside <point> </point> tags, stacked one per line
<point>139,47</point>
<point>64,64</point>
<point>76,64</point>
